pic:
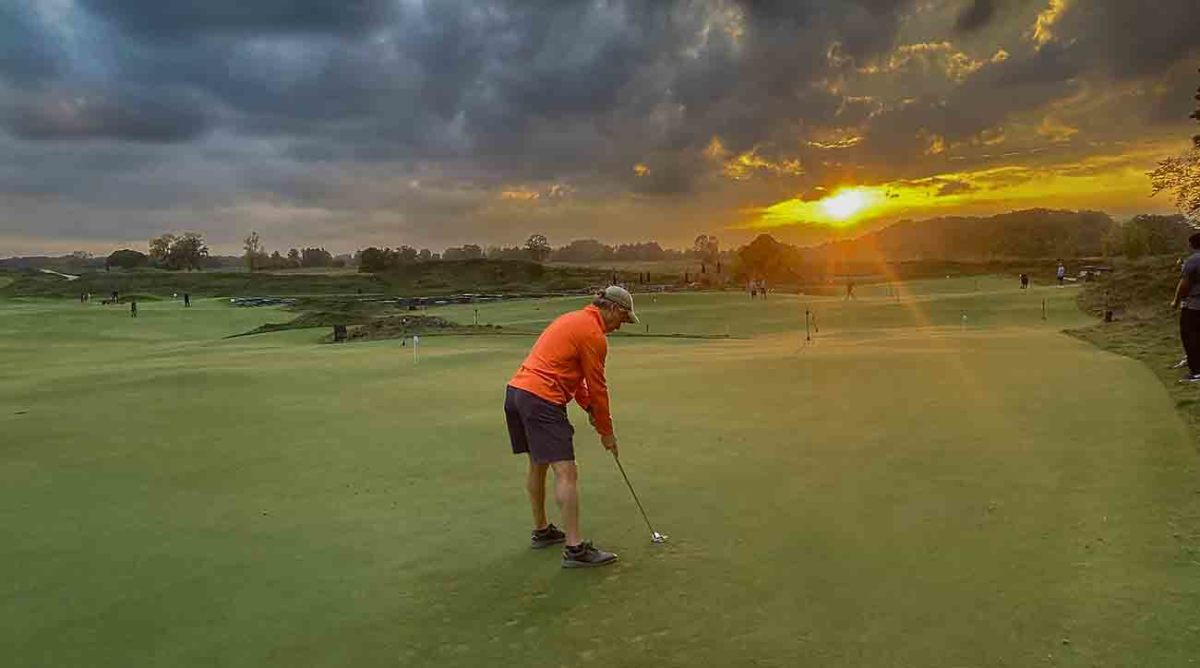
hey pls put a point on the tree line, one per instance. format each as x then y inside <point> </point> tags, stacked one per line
<point>537,248</point>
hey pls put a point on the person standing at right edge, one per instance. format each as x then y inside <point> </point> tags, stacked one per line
<point>1187,294</point>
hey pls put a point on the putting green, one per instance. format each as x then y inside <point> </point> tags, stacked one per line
<point>907,489</point>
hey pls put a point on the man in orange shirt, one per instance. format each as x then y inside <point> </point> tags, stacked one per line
<point>566,362</point>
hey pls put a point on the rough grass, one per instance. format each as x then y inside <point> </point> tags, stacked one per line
<point>905,490</point>
<point>1146,329</point>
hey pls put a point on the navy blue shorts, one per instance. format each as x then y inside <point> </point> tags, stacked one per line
<point>538,427</point>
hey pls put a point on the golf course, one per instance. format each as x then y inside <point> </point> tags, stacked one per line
<point>931,474</point>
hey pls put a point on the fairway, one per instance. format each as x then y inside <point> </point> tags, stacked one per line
<point>909,488</point>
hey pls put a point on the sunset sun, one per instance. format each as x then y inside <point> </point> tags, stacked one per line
<point>845,204</point>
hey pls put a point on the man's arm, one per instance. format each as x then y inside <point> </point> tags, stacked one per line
<point>1185,280</point>
<point>1181,291</point>
<point>592,354</point>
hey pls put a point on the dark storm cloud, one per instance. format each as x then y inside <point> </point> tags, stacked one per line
<point>975,15</point>
<point>1132,39</point>
<point>165,116</point>
<point>341,104</point>
<point>165,19</point>
<point>26,55</point>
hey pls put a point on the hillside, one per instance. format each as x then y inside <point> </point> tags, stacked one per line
<point>1029,234</point>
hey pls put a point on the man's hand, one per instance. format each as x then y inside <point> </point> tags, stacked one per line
<point>609,441</point>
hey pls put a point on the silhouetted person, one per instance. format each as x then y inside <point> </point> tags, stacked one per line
<point>1187,294</point>
<point>1061,273</point>
<point>849,289</point>
<point>133,308</point>
<point>187,300</point>
<point>1024,281</point>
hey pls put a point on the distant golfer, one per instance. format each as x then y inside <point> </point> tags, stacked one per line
<point>187,300</point>
<point>849,289</point>
<point>1187,294</point>
<point>133,308</point>
<point>1024,281</point>
<point>566,362</point>
<point>1062,273</point>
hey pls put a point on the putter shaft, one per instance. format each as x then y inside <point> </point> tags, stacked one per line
<point>635,496</point>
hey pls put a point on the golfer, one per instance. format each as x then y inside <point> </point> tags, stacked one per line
<point>1187,293</point>
<point>566,362</point>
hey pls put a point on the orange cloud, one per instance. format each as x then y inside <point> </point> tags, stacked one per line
<point>1098,182</point>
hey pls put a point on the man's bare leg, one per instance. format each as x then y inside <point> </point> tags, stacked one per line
<point>535,486</point>
<point>566,492</point>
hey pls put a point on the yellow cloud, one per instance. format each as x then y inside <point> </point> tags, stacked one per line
<point>954,63</point>
<point>934,144</point>
<point>1113,181</point>
<point>1043,27</point>
<point>837,143</point>
<point>716,150</point>
<point>519,194</point>
<point>529,194</point>
<point>742,166</point>
<point>1056,130</point>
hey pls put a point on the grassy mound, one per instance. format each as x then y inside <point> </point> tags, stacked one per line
<point>197,284</point>
<point>1146,327</point>
<point>456,276</point>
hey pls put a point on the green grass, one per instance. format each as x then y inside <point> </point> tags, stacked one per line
<point>419,279</point>
<point>1146,328</point>
<point>905,490</point>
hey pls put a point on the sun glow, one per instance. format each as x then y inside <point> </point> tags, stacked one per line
<point>845,203</point>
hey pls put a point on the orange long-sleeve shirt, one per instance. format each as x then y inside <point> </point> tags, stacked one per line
<point>568,361</point>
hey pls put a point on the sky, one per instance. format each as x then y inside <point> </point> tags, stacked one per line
<point>349,123</point>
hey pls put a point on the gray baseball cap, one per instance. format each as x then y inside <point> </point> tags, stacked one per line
<point>621,297</point>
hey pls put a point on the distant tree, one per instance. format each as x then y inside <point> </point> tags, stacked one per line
<point>188,251</point>
<point>314,257</point>
<point>766,258</point>
<point>294,258</point>
<point>464,252</point>
<point>649,250</point>
<point>126,259</point>
<point>583,250</point>
<point>538,247</point>
<point>707,248</point>
<point>371,260</point>
<point>406,255</point>
<point>253,250</point>
<point>1149,235</point>
<point>160,249</point>
<point>425,255</point>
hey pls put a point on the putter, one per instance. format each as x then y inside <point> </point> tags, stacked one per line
<point>655,537</point>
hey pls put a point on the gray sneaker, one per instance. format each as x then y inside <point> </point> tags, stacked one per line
<point>586,555</point>
<point>551,535</point>
<point>1191,378</point>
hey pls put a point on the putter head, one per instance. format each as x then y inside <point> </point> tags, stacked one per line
<point>657,537</point>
